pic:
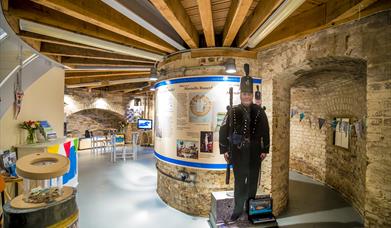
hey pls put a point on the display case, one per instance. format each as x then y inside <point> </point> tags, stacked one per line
<point>45,202</point>
<point>42,175</point>
<point>61,146</point>
<point>39,191</point>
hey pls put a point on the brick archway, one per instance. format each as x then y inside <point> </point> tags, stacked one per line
<point>94,119</point>
<point>363,40</point>
<point>277,87</point>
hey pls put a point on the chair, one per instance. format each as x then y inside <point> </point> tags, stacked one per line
<point>98,142</point>
<point>126,152</point>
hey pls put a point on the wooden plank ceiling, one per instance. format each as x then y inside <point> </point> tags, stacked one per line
<point>199,23</point>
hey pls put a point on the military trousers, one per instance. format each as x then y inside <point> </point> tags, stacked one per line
<point>246,173</point>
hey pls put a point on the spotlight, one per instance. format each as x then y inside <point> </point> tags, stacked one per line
<point>230,66</point>
<point>153,76</point>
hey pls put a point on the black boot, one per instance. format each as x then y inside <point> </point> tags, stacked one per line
<point>234,217</point>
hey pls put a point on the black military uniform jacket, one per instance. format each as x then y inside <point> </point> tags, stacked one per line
<point>250,130</point>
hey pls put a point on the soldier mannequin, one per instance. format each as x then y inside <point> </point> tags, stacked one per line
<point>250,133</point>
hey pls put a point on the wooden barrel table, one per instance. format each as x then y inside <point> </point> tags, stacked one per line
<point>60,213</point>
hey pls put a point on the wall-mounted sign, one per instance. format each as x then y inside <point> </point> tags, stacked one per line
<point>189,112</point>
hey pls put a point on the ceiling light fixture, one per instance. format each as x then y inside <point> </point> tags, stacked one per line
<point>34,27</point>
<point>278,16</point>
<point>230,66</point>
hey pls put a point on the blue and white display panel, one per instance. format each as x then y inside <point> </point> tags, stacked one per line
<point>189,112</point>
<point>144,124</point>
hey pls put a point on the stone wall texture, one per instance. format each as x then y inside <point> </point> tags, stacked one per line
<point>329,95</point>
<point>363,41</point>
<point>192,198</point>
<point>81,99</point>
<point>93,119</point>
<point>101,110</point>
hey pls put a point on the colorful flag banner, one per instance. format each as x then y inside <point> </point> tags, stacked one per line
<point>358,128</point>
<point>321,122</point>
<point>67,147</point>
<point>53,149</point>
<point>293,112</point>
<point>302,116</point>
<point>334,124</point>
<point>345,127</point>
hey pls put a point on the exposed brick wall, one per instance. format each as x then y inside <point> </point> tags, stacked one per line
<point>100,109</point>
<point>365,40</point>
<point>312,152</point>
<point>81,99</point>
<point>93,119</point>
<point>192,198</point>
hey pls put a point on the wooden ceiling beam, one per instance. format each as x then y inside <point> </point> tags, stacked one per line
<point>354,10</point>
<point>176,15</point>
<point>137,89</point>
<point>261,13</point>
<point>53,40</point>
<point>236,15</point>
<point>205,10</point>
<point>55,58</point>
<point>55,49</point>
<point>73,61</point>
<point>102,74</point>
<point>36,44</point>
<point>111,77</point>
<point>127,86</point>
<point>4,5</point>
<point>98,13</point>
<point>88,80</point>
<point>36,13</point>
<point>145,90</point>
<point>316,19</point>
<point>102,70</point>
<point>99,84</point>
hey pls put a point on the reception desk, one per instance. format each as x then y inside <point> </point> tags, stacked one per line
<point>64,146</point>
<point>86,143</point>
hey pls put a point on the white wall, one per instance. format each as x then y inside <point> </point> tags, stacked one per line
<point>43,100</point>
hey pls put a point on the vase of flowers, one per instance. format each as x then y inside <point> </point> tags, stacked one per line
<point>31,127</point>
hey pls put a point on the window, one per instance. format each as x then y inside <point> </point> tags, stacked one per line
<point>341,133</point>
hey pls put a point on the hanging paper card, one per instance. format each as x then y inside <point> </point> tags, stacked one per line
<point>301,116</point>
<point>321,122</point>
<point>345,127</point>
<point>334,124</point>
<point>293,112</point>
<point>358,128</point>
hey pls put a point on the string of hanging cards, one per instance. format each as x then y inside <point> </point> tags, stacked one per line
<point>347,127</point>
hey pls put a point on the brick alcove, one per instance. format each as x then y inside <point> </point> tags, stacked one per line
<point>361,40</point>
<point>93,119</point>
<point>338,89</point>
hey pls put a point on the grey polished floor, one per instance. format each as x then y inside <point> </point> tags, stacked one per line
<point>124,195</point>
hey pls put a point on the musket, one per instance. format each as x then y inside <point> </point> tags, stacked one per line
<point>230,130</point>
